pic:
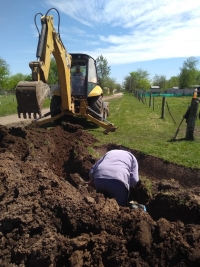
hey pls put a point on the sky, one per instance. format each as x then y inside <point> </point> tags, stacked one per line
<point>156,36</point>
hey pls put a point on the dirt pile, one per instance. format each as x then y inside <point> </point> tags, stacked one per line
<point>49,217</point>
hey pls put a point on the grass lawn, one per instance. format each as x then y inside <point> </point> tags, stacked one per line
<point>8,105</point>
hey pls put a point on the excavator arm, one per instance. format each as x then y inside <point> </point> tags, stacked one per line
<point>31,94</point>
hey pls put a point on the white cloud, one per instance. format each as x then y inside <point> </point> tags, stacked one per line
<point>147,30</point>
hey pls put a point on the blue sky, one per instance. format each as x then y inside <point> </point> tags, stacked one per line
<point>157,36</point>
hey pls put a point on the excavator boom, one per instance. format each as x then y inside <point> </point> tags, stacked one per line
<point>31,94</point>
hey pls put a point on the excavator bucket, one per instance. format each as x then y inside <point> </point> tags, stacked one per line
<point>30,97</point>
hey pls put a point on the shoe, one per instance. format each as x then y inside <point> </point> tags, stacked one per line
<point>135,205</point>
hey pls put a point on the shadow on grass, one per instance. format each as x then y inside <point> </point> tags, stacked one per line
<point>179,140</point>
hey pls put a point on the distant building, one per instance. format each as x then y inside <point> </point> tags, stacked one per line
<point>155,89</point>
<point>175,87</point>
<point>195,86</point>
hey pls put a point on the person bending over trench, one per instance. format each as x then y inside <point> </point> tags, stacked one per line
<point>114,174</point>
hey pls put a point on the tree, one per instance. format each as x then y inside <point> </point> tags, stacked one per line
<point>110,83</point>
<point>53,72</point>
<point>137,80</point>
<point>188,73</point>
<point>4,72</point>
<point>197,77</point>
<point>160,80</point>
<point>14,79</point>
<point>173,82</point>
<point>103,70</point>
<point>118,87</point>
<point>127,83</point>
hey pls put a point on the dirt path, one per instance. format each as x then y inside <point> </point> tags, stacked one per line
<point>14,119</point>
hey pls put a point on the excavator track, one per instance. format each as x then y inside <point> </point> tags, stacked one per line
<point>30,97</point>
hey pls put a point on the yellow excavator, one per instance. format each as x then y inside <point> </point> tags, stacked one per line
<point>75,95</point>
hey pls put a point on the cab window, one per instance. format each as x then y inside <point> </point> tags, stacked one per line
<point>92,74</point>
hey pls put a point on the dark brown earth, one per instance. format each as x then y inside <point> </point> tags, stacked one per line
<point>49,217</point>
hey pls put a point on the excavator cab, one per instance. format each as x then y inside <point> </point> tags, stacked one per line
<point>90,88</point>
<point>84,76</point>
<point>84,86</point>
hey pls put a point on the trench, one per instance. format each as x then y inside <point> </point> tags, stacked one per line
<point>173,206</point>
<point>172,202</point>
<point>174,193</point>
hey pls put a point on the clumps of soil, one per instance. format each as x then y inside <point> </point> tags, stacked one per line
<point>50,217</point>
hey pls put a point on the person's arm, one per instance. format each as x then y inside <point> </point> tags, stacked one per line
<point>134,175</point>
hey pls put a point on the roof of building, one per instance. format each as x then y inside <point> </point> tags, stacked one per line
<point>155,87</point>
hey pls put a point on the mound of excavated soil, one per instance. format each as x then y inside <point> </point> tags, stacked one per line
<point>49,217</point>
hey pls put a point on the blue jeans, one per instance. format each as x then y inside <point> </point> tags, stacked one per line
<point>112,188</point>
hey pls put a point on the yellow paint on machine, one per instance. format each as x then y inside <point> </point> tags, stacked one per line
<point>96,91</point>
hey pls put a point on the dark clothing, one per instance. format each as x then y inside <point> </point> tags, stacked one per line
<point>112,188</point>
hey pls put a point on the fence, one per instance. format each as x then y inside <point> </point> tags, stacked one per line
<point>168,92</point>
<point>173,108</point>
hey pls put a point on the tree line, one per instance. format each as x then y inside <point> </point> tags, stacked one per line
<point>189,75</point>
<point>8,81</point>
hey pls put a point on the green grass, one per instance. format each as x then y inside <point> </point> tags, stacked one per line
<point>8,105</point>
<point>141,128</point>
<point>93,152</point>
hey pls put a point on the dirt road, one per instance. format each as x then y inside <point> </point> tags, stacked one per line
<point>14,118</point>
